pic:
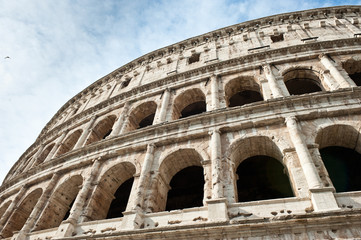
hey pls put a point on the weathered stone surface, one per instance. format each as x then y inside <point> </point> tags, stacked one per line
<point>274,90</point>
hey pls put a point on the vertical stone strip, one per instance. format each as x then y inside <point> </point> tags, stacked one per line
<point>304,155</point>
<point>12,207</point>
<point>120,121</point>
<point>217,183</point>
<point>144,177</point>
<point>335,73</point>
<point>164,107</point>
<point>272,81</point>
<point>56,146</point>
<point>85,133</point>
<point>214,92</point>
<point>39,207</point>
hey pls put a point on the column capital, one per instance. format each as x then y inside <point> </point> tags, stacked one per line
<point>291,118</point>
<point>322,55</point>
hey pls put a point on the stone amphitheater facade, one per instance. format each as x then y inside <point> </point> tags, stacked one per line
<point>226,135</point>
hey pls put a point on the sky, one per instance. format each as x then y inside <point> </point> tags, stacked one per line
<point>51,50</point>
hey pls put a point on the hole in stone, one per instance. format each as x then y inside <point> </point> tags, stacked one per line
<point>194,58</point>
<point>193,109</point>
<point>119,204</point>
<point>244,97</point>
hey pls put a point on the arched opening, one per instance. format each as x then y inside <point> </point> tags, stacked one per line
<point>353,68</point>
<point>69,143</point>
<point>44,154</point>
<point>343,166</point>
<point>186,189</point>
<point>261,174</point>
<point>189,103</point>
<point>21,214</point>
<point>101,130</point>
<point>142,116</point>
<point>114,190</point>
<point>180,181</point>
<point>340,152</point>
<point>260,178</point>
<point>241,91</point>
<point>60,203</point>
<point>119,204</point>
<point>302,81</point>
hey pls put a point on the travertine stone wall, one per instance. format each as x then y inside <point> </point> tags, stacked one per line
<point>96,141</point>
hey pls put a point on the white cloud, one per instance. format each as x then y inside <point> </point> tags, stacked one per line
<point>57,48</point>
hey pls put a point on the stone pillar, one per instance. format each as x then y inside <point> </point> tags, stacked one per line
<point>119,124</point>
<point>335,73</point>
<point>217,206</point>
<point>272,81</point>
<point>67,227</point>
<point>85,133</point>
<point>164,107</point>
<point>12,207</point>
<point>39,207</point>
<point>216,161</point>
<point>144,176</point>
<point>134,218</point>
<point>56,146</point>
<point>322,198</point>
<point>214,92</point>
<point>308,167</point>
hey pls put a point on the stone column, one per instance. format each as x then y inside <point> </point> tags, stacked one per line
<point>164,107</point>
<point>322,197</point>
<point>134,218</point>
<point>12,207</point>
<point>217,206</point>
<point>85,133</point>
<point>214,92</point>
<point>335,73</point>
<point>144,176</point>
<point>39,207</point>
<point>118,126</point>
<point>67,227</point>
<point>308,167</point>
<point>56,146</point>
<point>272,81</point>
<point>216,161</point>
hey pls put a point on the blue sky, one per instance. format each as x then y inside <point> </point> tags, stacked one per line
<point>57,48</point>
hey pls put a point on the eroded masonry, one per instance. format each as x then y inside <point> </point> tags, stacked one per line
<point>250,131</point>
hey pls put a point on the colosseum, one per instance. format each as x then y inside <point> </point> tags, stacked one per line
<point>247,132</point>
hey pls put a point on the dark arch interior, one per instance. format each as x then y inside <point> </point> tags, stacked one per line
<point>343,166</point>
<point>186,189</point>
<point>356,77</point>
<point>193,109</point>
<point>261,178</point>
<point>107,134</point>
<point>147,121</point>
<point>119,204</point>
<point>244,97</point>
<point>298,86</point>
<point>67,214</point>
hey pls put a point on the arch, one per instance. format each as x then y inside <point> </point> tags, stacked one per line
<point>118,176</point>
<point>101,130</point>
<point>142,115</point>
<point>44,154</point>
<point>69,142</point>
<point>353,67</point>
<point>188,103</point>
<point>60,203</point>
<point>302,80</point>
<point>260,169</point>
<point>21,214</point>
<point>241,91</point>
<point>180,164</point>
<point>340,152</point>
